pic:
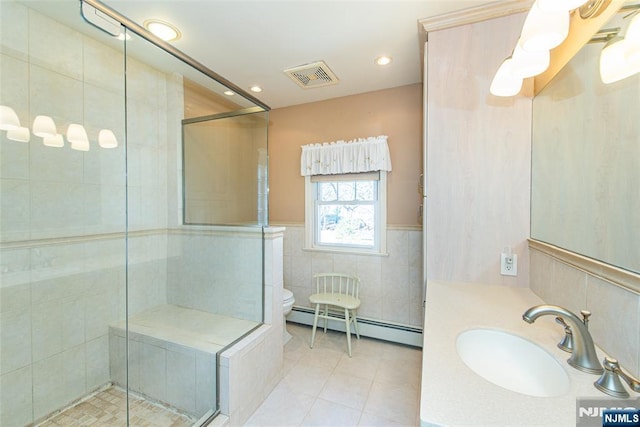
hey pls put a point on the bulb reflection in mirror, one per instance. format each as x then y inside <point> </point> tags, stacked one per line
<point>20,134</point>
<point>8,118</point>
<point>53,141</point>
<point>107,139</point>
<point>613,66</point>
<point>44,127</point>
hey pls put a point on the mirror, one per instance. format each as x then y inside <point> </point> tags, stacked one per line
<point>585,186</point>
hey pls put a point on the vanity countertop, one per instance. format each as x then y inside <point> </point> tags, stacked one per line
<point>452,394</point>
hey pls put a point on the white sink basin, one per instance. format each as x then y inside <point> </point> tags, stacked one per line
<point>512,362</point>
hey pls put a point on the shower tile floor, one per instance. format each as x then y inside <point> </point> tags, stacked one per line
<point>108,408</point>
<point>323,386</point>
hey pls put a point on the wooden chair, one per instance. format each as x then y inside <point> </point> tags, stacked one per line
<point>336,292</point>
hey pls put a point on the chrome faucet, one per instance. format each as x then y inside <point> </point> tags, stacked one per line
<point>584,356</point>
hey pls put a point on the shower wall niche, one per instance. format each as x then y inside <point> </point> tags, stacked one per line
<point>92,238</point>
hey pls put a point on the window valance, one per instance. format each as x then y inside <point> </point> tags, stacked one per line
<point>358,155</point>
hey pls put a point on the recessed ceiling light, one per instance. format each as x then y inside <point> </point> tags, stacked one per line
<point>164,30</point>
<point>256,89</point>
<point>228,93</point>
<point>383,60</point>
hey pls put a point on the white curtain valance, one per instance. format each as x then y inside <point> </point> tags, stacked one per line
<point>359,155</point>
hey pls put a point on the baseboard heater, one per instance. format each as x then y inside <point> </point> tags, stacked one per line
<point>386,331</point>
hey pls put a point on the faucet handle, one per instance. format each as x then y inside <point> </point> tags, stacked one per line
<point>567,341</point>
<point>585,317</point>
<point>609,382</point>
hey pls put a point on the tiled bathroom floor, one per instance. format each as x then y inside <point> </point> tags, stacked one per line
<point>323,386</point>
<point>108,408</point>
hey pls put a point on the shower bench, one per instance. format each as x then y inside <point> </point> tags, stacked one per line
<point>172,355</point>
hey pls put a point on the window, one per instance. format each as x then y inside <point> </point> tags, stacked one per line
<point>346,212</point>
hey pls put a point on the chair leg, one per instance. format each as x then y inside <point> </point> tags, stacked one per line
<point>326,317</point>
<point>355,323</point>
<point>315,324</point>
<point>347,323</point>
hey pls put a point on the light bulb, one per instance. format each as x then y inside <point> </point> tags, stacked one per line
<point>505,83</point>
<point>544,30</point>
<point>528,64</point>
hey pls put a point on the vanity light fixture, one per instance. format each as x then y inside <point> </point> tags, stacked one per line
<point>505,82</point>
<point>383,60</point>
<point>78,138</point>
<point>106,139</point>
<point>53,141</point>
<point>162,29</point>
<point>8,118</point>
<point>255,88</point>
<point>558,5</point>
<point>44,127</point>
<point>20,134</point>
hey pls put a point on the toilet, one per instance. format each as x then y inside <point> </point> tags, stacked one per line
<point>287,304</point>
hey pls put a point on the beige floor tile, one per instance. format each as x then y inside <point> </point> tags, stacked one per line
<point>371,420</point>
<point>359,366</point>
<point>307,379</point>
<point>346,390</point>
<point>394,402</point>
<point>325,413</point>
<point>283,407</point>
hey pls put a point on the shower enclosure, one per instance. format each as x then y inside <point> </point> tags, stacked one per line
<point>132,221</point>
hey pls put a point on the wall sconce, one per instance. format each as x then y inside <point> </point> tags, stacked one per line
<point>106,139</point>
<point>19,134</point>
<point>78,138</point>
<point>43,126</point>
<point>8,118</point>
<point>53,141</point>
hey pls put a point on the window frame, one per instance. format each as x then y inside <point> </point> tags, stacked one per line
<point>380,228</point>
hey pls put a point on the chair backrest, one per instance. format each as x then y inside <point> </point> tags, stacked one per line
<point>336,283</point>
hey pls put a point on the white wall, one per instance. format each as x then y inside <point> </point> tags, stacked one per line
<point>478,168</point>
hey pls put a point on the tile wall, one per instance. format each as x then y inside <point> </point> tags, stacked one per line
<point>391,287</point>
<point>615,310</point>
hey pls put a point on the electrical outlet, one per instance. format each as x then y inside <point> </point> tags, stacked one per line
<point>508,264</point>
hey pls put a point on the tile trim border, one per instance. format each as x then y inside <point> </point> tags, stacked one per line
<point>617,276</point>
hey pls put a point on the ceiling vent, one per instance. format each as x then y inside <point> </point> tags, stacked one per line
<point>316,74</point>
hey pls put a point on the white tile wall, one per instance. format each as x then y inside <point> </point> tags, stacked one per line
<point>615,320</point>
<point>391,286</point>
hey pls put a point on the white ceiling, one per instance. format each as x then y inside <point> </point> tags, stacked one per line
<point>251,42</point>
